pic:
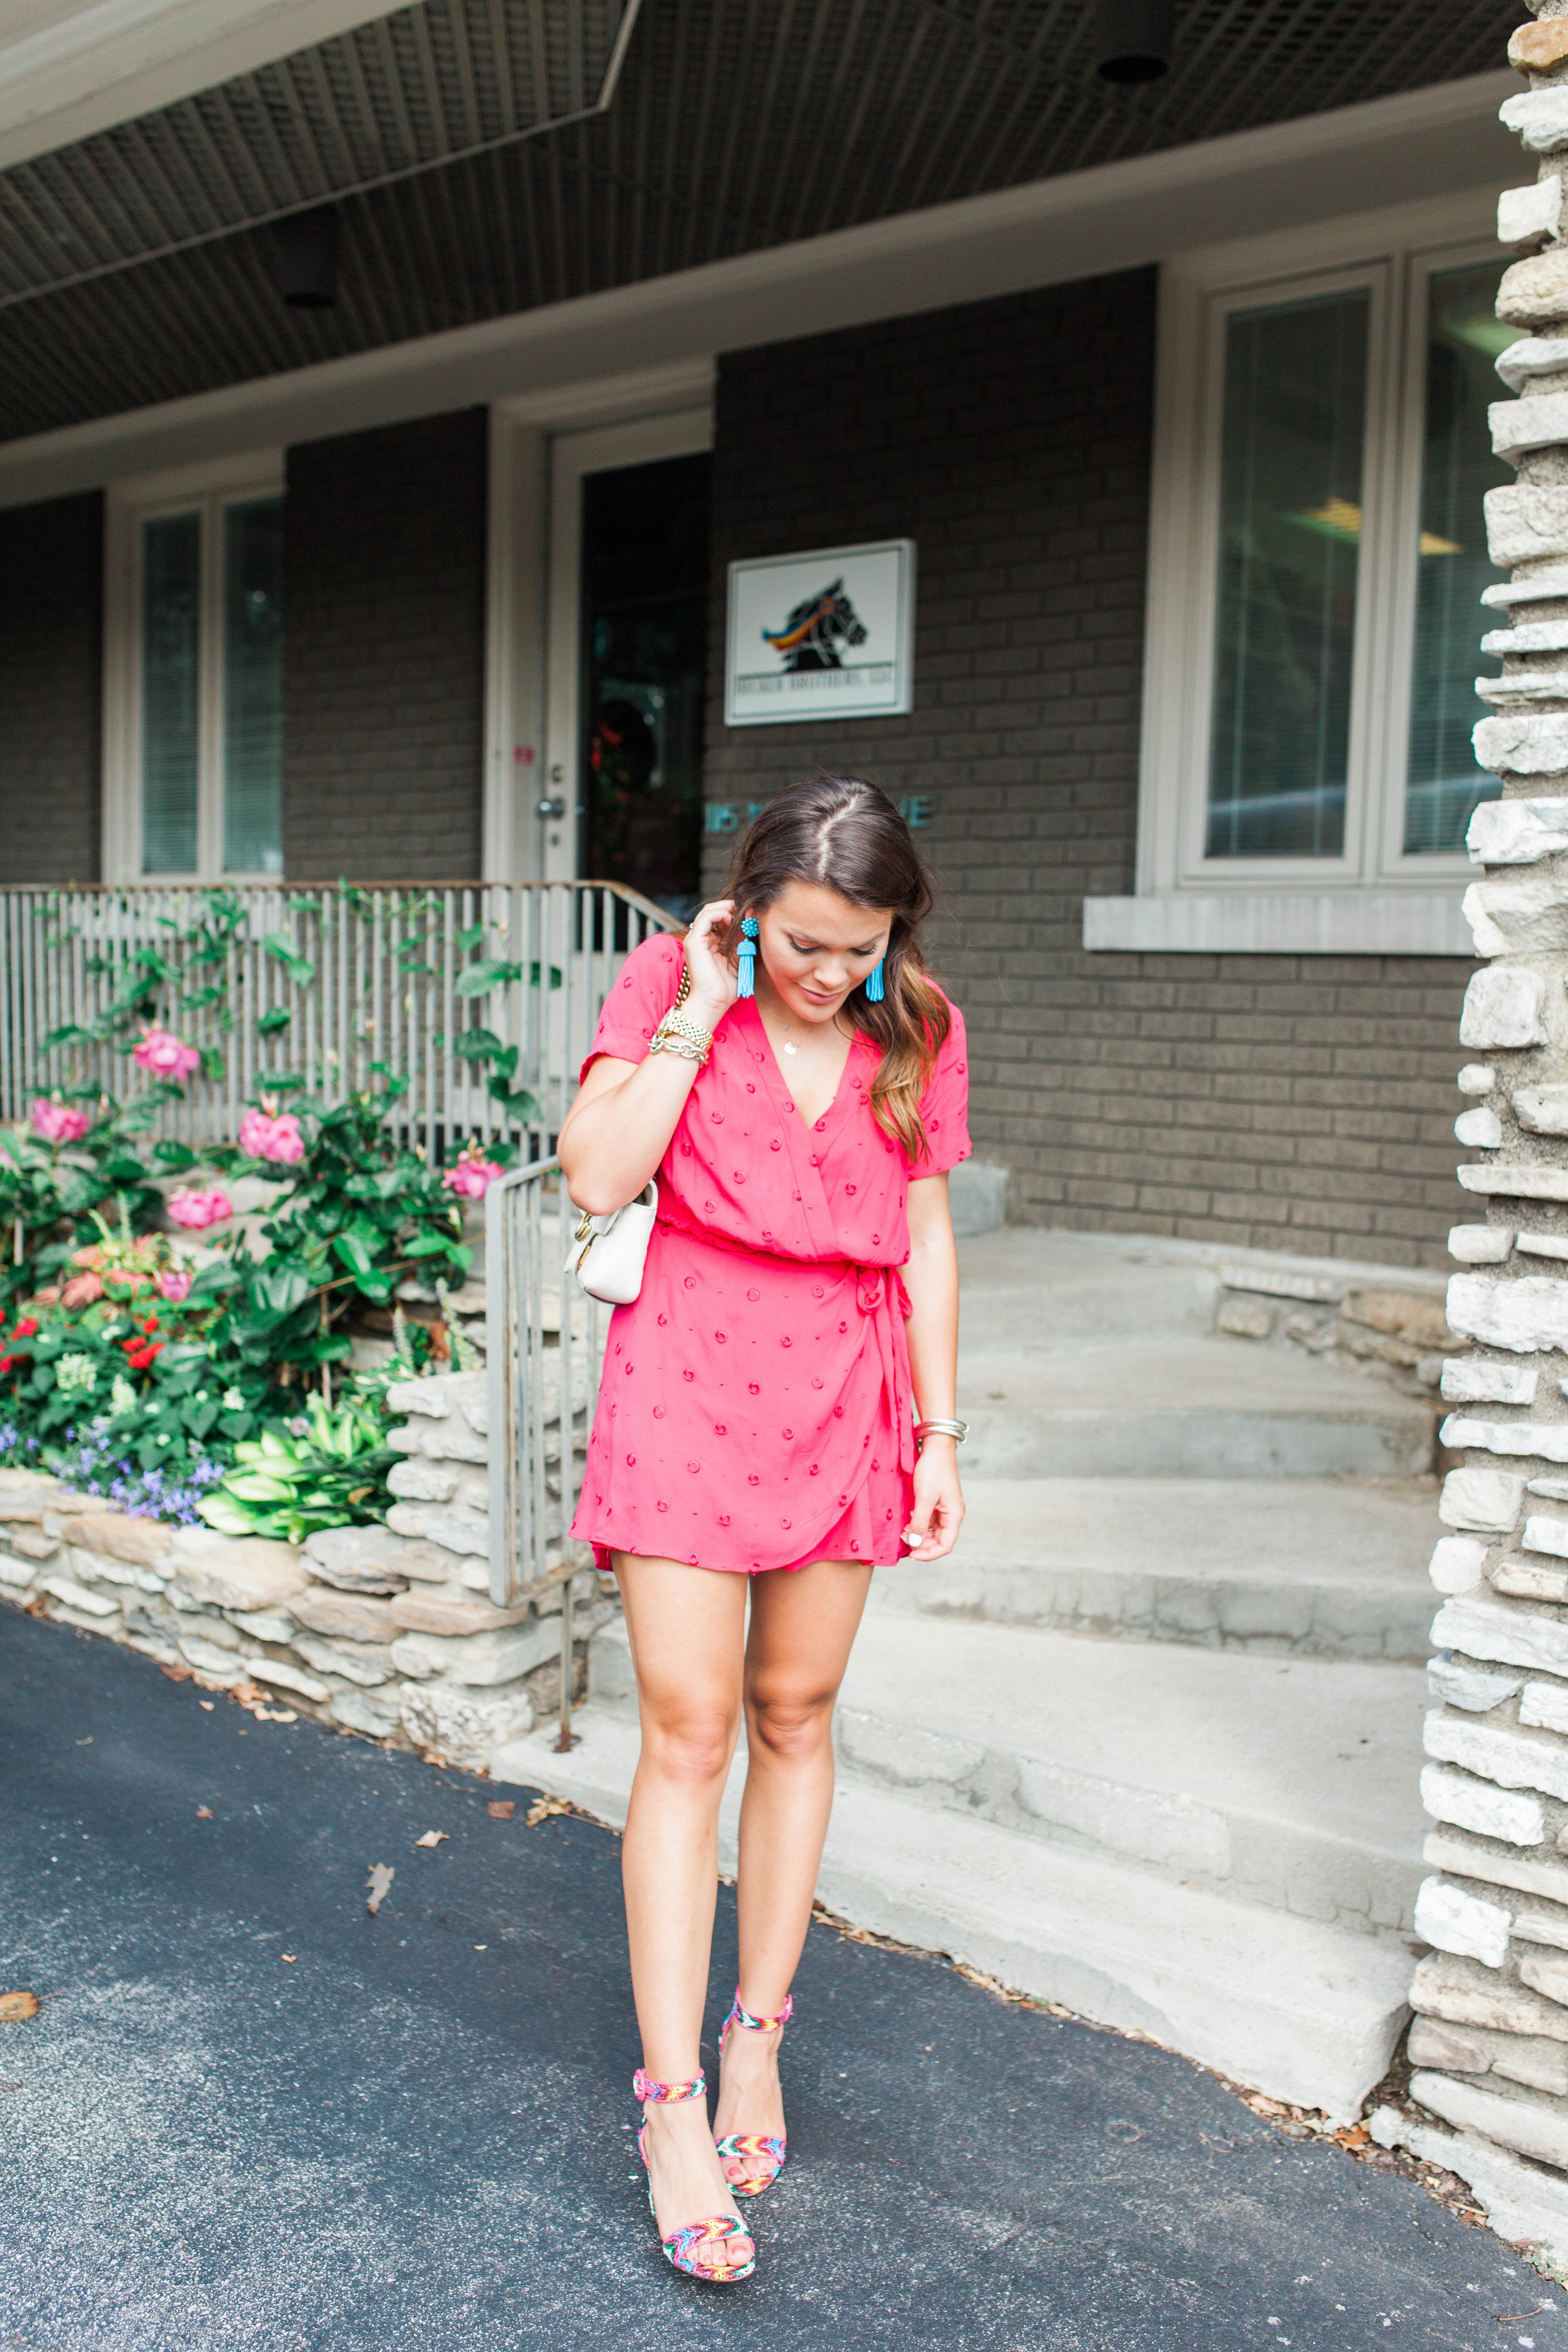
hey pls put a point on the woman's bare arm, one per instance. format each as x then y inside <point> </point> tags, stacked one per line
<point>619,1129</point>
<point>931,1278</point>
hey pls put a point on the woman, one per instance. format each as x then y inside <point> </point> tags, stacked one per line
<point>759,1433</point>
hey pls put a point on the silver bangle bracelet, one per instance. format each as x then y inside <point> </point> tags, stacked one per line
<point>959,1429</point>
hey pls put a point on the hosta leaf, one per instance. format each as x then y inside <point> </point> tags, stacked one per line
<point>256,1486</point>
<point>228,1516</point>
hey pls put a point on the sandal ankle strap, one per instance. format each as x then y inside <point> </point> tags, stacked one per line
<point>666,2094</point>
<point>739,2016</point>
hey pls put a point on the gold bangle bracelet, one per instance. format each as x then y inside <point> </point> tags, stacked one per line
<point>676,1034</point>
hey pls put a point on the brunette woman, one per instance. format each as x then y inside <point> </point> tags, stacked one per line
<point>775,1415</point>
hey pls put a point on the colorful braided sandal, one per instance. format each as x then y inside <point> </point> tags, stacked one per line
<point>752,2146</point>
<point>702,2249</point>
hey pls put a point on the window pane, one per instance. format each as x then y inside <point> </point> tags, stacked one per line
<point>1464,336</point>
<point>1290,544</point>
<point>170,602</point>
<point>253,687</point>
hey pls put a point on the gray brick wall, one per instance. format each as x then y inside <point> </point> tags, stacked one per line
<point>1291,1102</point>
<point>51,689</point>
<point>384,653</point>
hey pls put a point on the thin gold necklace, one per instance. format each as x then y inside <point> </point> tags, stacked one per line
<point>833,1024</point>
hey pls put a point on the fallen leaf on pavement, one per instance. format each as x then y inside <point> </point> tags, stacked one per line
<point>543,1807</point>
<point>503,1809</point>
<point>1353,2135</point>
<point>86,1742</point>
<point>206,1704</point>
<point>431,1837</point>
<point>15,2007</point>
<point>379,1881</point>
<point>275,1714</point>
<point>286,1955</point>
<point>203,1813</point>
<point>176,1674</point>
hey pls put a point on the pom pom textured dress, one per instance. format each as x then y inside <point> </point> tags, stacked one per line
<point>755,1410</point>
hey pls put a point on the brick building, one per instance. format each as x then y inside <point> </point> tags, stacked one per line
<point>368,500</point>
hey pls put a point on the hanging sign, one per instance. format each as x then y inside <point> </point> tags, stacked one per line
<point>829,635</point>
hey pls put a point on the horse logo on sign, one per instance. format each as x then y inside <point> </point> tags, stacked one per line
<point>811,635</point>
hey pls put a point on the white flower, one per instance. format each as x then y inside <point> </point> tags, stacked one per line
<point>75,1372</point>
<point>123,1395</point>
<point>233,1400</point>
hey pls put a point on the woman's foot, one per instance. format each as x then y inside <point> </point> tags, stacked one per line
<point>686,2179</point>
<point>751,2105</point>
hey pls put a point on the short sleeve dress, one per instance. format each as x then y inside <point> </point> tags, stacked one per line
<point>755,1410</point>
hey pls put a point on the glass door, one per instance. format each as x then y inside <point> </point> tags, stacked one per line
<point>626,657</point>
<point>644,677</point>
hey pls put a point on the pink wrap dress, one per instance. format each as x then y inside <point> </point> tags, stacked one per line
<point>755,1410</point>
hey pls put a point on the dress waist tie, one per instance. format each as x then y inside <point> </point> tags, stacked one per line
<point>880,1287</point>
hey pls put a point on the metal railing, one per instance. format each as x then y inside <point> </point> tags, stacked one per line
<point>546,1345</point>
<point>323,982</point>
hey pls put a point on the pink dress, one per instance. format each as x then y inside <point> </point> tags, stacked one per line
<point>755,1410</point>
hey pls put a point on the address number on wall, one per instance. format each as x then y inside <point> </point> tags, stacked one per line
<point>728,817</point>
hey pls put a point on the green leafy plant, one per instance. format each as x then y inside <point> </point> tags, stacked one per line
<point>324,1469</point>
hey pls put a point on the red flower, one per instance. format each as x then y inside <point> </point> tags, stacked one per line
<point>25,1328</point>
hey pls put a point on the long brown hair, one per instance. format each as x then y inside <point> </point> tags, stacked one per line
<point>846,835</point>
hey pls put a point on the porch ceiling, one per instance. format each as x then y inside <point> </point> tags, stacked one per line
<point>135,266</point>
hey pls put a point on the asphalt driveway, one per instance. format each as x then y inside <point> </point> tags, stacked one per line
<point>250,2115</point>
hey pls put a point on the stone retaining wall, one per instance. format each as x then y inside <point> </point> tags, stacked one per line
<point>1489,2044</point>
<point>389,1631</point>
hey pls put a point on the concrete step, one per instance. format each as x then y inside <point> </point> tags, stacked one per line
<point>1032,1289</point>
<point>1310,1568</point>
<point>1182,1409</point>
<point>1298,2009</point>
<point>1287,1782</point>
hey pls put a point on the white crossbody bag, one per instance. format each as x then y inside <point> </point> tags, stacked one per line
<point>607,1252</point>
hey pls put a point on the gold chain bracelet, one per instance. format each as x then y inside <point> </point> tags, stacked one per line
<point>678,1033</point>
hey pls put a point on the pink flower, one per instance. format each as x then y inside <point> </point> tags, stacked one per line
<point>174,1284</point>
<point>198,1210</point>
<point>472,1177</point>
<point>271,1138</point>
<point>58,1124</point>
<point>166,1056</point>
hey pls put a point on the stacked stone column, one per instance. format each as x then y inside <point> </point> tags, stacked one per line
<point>1489,2044</point>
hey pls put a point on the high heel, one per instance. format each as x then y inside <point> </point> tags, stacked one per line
<point>700,2249</point>
<point>769,2146</point>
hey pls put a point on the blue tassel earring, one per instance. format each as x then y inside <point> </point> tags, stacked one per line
<point>746,976</point>
<point>874,987</point>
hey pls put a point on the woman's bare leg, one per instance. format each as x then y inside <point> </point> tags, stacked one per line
<point>804,1623</point>
<point>686,1630</point>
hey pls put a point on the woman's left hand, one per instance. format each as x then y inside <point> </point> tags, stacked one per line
<point>938,1512</point>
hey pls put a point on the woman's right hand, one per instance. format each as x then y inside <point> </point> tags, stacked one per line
<point>714,988</point>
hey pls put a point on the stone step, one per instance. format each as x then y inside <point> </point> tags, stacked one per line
<point>1310,1568</point>
<point>1031,1288</point>
<point>1296,2009</point>
<point>1289,1782</point>
<point>1182,1409</point>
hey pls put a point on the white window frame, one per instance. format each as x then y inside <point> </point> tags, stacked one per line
<point>1393,252</point>
<point>207,490</point>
